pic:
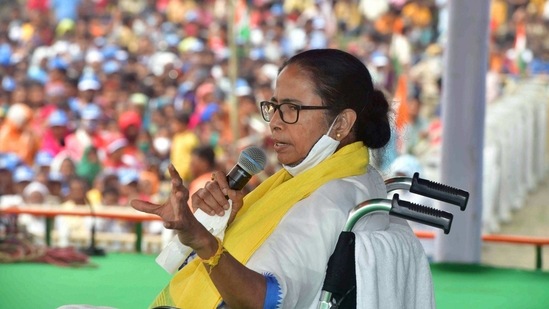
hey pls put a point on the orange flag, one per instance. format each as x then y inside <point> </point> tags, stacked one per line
<point>401,96</point>
<point>402,114</point>
<point>519,66</point>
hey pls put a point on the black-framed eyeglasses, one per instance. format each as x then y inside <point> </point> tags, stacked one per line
<point>289,112</point>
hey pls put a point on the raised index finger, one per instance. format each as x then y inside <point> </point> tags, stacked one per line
<point>145,206</point>
<point>177,182</point>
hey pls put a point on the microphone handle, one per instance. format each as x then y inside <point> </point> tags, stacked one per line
<point>238,178</point>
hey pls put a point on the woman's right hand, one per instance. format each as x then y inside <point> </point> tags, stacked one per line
<point>177,215</point>
<point>213,198</point>
<point>174,211</point>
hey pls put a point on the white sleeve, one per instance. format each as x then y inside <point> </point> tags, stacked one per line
<point>297,252</point>
<point>175,253</point>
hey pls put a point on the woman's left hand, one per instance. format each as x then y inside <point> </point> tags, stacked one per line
<point>213,198</point>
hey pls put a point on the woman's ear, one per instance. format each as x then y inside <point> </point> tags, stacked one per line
<point>345,123</point>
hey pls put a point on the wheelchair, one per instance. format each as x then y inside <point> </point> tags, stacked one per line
<point>339,287</point>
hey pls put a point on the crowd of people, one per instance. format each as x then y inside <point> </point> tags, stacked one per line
<point>97,98</point>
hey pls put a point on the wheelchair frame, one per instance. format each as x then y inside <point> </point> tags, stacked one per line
<point>338,264</point>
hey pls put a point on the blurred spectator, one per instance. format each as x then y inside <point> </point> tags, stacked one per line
<point>114,159</point>
<point>139,102</point>
<point>111,197</point>
<point>88,86</point>
<point>36,100</point>
<point>89,166</point>
<point>381,70</point>
<point>205,95</point>
<point>183,142</point>
<point>253,129</point>
<point>16,135</point>
<point>129,186</point>
<point>107,179</point>
<point>7,165</point>
<point>161,147</point>
<point>67,226</point>
<point>201,167</point>
<point>211,126</point>
<point>62,169</point>
<point>55,185</point>
<point>427,74</point>
<point>87,133</point>
<point>42,165</point>
<point>414,136</point>
<point>22,176</point>
<point>36,194</point>
<point>419,14</point>
<point>129,123</point>
<point>67,168</point>
<point>55,133</point>
<point>149,182</point>
<point>348,18</point>
<point>65,9</point>
<point>8,162</point>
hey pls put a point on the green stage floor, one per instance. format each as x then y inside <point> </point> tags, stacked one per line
<point>130,281</point>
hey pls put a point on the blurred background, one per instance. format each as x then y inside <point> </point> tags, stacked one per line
<point>97,97</point>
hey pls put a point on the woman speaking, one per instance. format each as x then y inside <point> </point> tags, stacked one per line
<point>324,116</point>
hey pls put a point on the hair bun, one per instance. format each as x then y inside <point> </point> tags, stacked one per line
<point>376,128</point>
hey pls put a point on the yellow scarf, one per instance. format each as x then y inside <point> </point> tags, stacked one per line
<point>192,287</point>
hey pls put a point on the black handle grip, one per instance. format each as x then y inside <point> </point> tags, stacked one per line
<point>422,214</point>
<point>439,191</point>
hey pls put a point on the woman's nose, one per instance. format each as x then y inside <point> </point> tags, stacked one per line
<point>276,118</point>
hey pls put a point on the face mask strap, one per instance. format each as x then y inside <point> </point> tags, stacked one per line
<point>332,125</point>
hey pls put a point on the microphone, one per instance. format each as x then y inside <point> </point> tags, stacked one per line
<point>250,162</point>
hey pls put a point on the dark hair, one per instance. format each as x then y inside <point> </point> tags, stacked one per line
<point>343,81</point>
<point>183,117</point>
<point>110,190</point>
<point>206,153</point>
<point>79,180</point>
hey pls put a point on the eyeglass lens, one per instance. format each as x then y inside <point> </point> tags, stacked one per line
<point>289,112</point>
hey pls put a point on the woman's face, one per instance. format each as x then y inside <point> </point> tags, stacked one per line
<point>292,142</point>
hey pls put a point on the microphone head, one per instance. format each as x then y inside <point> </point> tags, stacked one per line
<point>252,159</point>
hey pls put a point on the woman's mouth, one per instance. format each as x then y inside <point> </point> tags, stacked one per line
<point>279,145</point>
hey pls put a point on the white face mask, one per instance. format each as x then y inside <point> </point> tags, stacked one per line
<point>323,148</point>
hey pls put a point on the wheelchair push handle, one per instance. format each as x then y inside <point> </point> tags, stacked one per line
<point>422,214</point>
<point>439,191</point>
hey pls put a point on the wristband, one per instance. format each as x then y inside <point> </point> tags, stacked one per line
<point>214,259</point>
